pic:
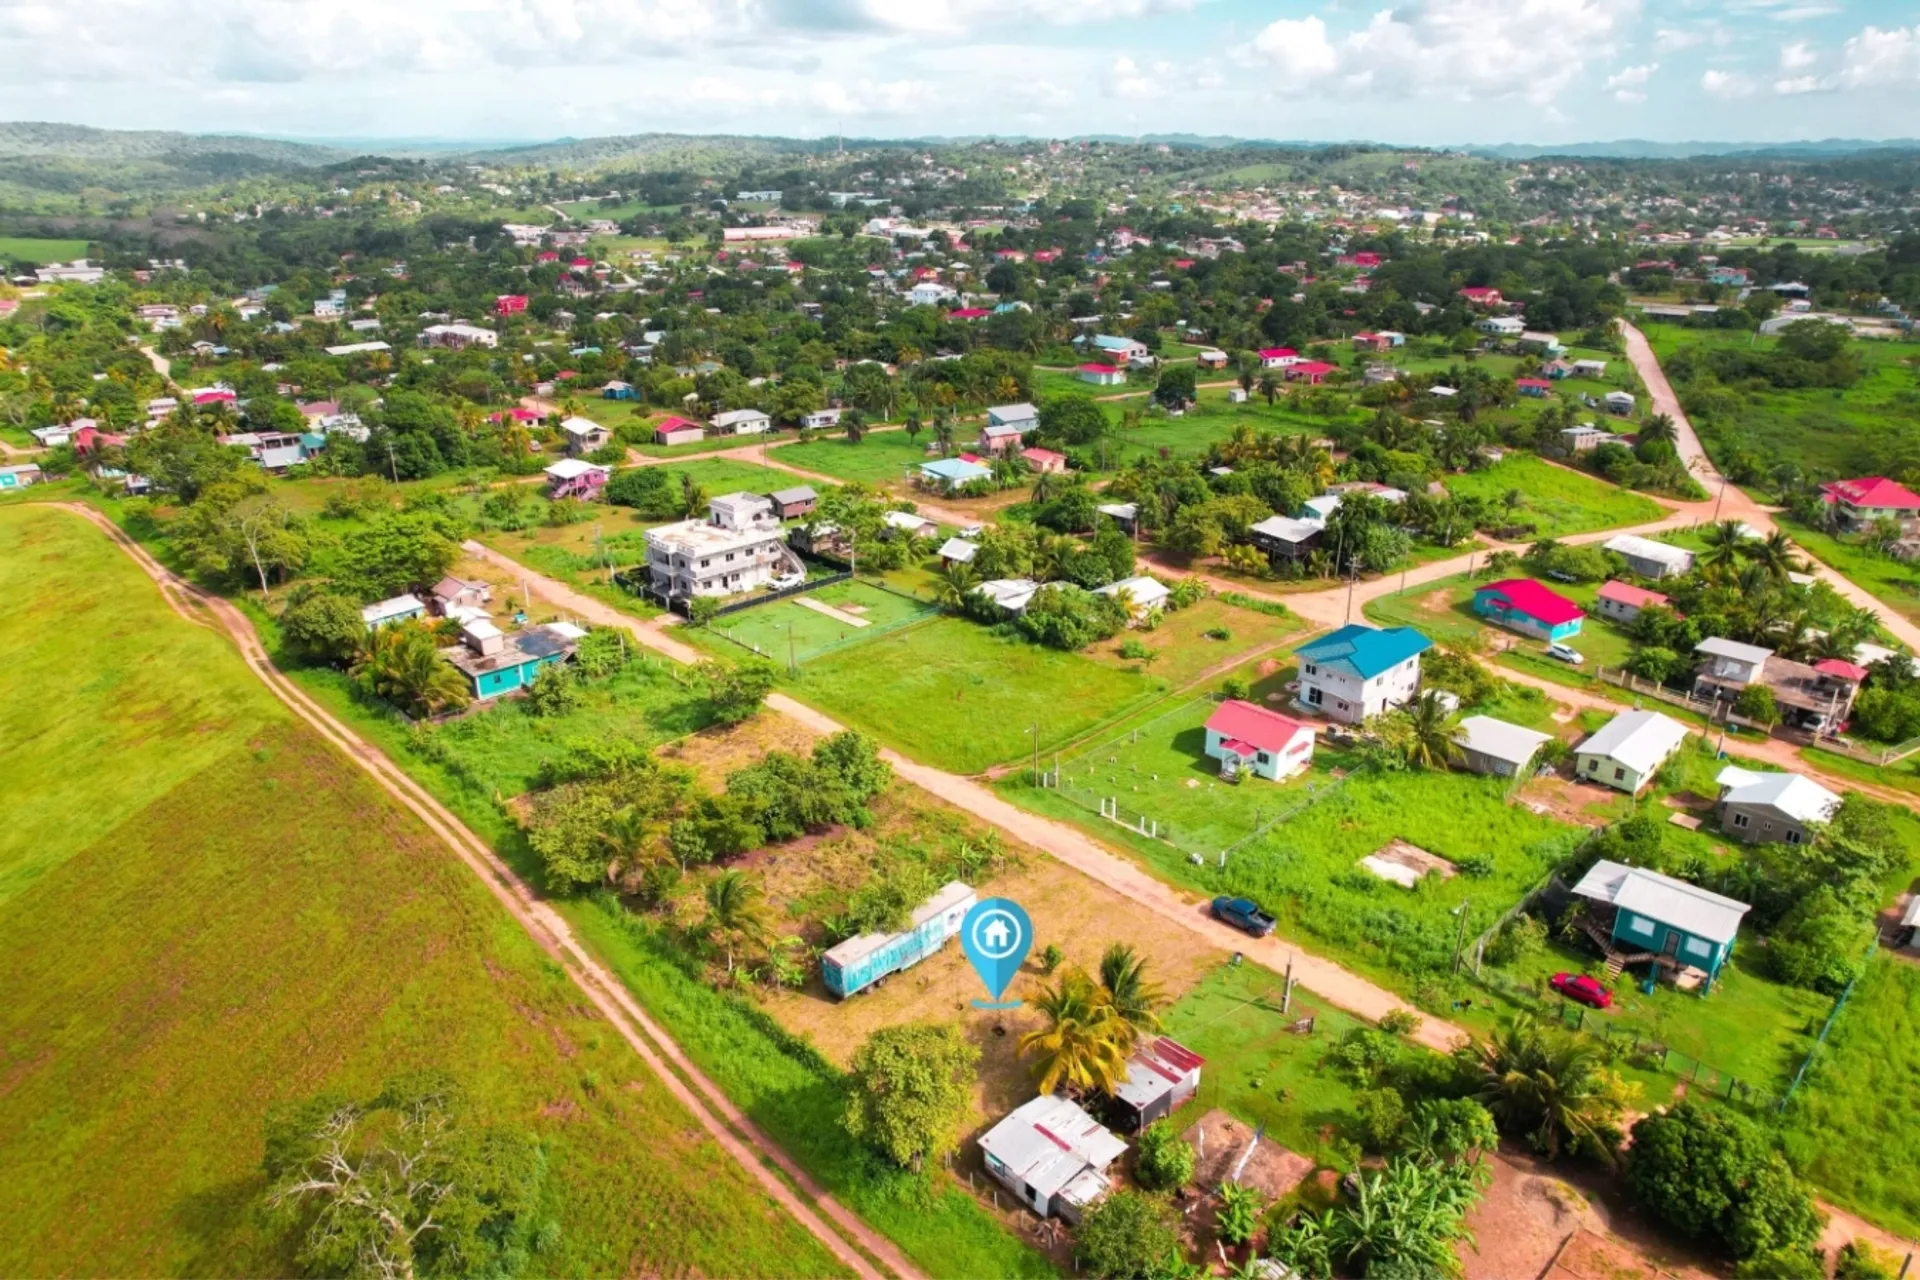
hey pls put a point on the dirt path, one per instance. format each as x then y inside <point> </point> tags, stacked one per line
<point>15,451</point>
<point>724,1122</point>
<point>1066,843</point>
<point>161,365</point>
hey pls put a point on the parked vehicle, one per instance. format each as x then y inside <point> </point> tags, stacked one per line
<point>1572,657</point>
<point>1243,914</point>
<point>1584,989</point>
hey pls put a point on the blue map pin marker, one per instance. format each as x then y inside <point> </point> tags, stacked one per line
<point>996,936</point>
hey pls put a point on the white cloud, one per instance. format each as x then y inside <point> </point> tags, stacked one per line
<point>1464,50</point>
<point>1797,56</point>
<point>1726,85</point>
<point>1628,83</point>
<point>1876,57</point>
<point>1790,85</point>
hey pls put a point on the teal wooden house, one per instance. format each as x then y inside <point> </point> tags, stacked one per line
<point>1640,916</point>
<point>496,663</point>
<point>1529,607</point>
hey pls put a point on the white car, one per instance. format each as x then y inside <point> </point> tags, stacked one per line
<point>972,530</point>
<point>1573,657</point>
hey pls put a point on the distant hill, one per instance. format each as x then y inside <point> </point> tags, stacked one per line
<point>1641,149</point>
<point>77,142</point>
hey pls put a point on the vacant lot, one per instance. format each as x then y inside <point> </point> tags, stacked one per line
<point>881,457</point>
<point>952,693</point>
<point>40,251</point>
<point>1894,583</point>
<point>1558,501</point>
<point>236,916</point>
<point>1188,643</point>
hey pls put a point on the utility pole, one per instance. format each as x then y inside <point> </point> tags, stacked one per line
<point>1036,752</point>
<point>1720,498</point>
<point>393,468</point>
<point>1351,579</point>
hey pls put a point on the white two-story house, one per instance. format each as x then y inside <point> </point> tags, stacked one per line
<point>1357,672</point>
<point>738,547</point>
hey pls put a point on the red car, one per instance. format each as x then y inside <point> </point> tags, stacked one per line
<point>1588,991</point>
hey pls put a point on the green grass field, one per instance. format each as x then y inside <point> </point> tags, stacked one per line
<point>1559,501</point>
<point>952,693</point>
<point>881,457</point>
<point>788,627</point>
<point>1186,650</point>
<point>1443,611</point>
<point>1847,1127</point>
<point>1892,582</point>
<point>233,915</point>
<point>34,250</point>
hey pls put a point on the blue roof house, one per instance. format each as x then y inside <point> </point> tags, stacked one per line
<point>1357,672</point>
<point>948,474</point>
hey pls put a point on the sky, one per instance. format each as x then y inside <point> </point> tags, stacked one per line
<point>1422,72</point>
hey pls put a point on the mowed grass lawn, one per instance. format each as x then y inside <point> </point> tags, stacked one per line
<point>1185,651</point>
<point>41,251</point>
<point>790,628</point>
<point>881,457</point>
<point>1560,502</point>
<point>952,693</point>
<point>233,915</point>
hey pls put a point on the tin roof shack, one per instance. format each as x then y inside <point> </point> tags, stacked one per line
<point>1052,1155</point>
<point>868,958</point>
<point>1640,915</point>
<point>1495,747</point>
<point>1817,698</point>
<point>1160,1076</point>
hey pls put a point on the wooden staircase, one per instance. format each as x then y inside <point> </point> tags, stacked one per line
<point>1616,960</point>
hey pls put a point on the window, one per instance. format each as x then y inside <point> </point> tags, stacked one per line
<point>1593,765</point>
<point>1794,836</point>
<point>1619,773</point>
<point>1313,697</point>
<point>1312,670</point>
<point>1263,758</point>
<point>1697,947</point>
<point>1640,925</point>
<point>1740,820</point>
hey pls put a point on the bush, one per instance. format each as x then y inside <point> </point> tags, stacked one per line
<point>911,1090</point>
<point>322,626</point>
<point>1518,941</point>
<point>554,692</point>
<point>1821,943</point>
<point>1128,1236</point>
<point>1164,1161</point>
<point>1383,1117</point>
<point>1712,1176</point>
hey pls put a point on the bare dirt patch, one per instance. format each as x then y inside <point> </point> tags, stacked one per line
<point>1533,1222</point>
<point>1406,864</point>
<point>714,753</point>
<point>1221,1140</point>
<point>1556,797</point>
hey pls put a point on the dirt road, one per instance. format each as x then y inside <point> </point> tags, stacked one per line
<point>1068,844</point>
<point>724,1122</point>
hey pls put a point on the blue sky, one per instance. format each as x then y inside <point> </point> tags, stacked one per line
<point>1424,72</point>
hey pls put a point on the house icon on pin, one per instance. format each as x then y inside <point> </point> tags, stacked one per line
<point>995,934</point>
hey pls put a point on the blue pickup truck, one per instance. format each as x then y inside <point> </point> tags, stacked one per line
<point>1243,914</point>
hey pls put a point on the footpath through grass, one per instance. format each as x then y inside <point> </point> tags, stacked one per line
<point>234,915</point>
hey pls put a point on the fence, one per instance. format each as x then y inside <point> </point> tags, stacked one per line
<point>1840,1003</point>
<point>1634,684</point>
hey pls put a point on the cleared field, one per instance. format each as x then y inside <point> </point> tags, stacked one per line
<point>1892,582</point>
<point>1560,502</point>
<point>881,457</point>
<point>952,693</point>
<point>261,923</point>
<point>1183,649</point>
<point>790,628</point>
<point>33,249</point>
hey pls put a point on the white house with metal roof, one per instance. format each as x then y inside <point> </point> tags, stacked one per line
<point>397,609</point>
<point>1053,1156</point>
<point>1650,559</point>
<point>1629,750</point>
<point>1495,747</point>
<point>1772,808</point>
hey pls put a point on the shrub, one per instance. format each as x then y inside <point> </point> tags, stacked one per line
<point>1712,1175</point>
<point>911,1090</point>
<point>1383,1117</point>
<point>1128,1236</point>
<point>1239,1214</point>
<point>1165,1161</point>
<point>554,692</point>
<point>1518,941</point>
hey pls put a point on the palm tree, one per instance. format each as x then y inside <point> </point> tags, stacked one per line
<point>1659,429</point>
<point>1549,1085</point>
<point>1084,1045</point>
<point>943,434</point>
<point>1269,387</point>
<point>913,425</point>
<point>1724,542</point>
<point>735,920</point>
<point>1775,554</point>
<point>1430,743</point>
<point>624,835</point>
<point>955,585</point>
<point>693,498</point>
<point>401,665</point>
<point>1124,975</point>
<point>1044,485</point>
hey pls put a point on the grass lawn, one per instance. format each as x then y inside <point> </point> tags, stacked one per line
<point>1559,501</point>
<point>1893,583</point>
<point>1257,1068</point>
<point>1901,774</point>
<point>234,916</point>
<point>952,693</point>
<point>37,251</point>
<point>789,627</point>
<point>881,458</point>
<point>1846,1128</point>
<point>1185,650</point>
<point>1443,610</point>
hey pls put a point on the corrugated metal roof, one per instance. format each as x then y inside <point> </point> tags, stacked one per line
<point>1641,740</point>
<point>1671,902</point>
<point>1500,740</point>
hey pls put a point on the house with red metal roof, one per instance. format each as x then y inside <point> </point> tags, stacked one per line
<point>1246,738</point>
<point>509,303</point>
<point>1481,296</point>
<point>1622,601</point>
<point>1103,375</point>
<point>1529,607</point>
<point>1160,1076</point>
<point>1311,372</point>
<point>968,313</point>
<point>1535,387</point>
<point>1045,460</point>
<point>1858,503</point>
<point>1278,357</point>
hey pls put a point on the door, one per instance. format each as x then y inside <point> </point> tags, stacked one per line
<point>1671,946</point>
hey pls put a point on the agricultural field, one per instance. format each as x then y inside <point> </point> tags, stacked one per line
<point>39,251</point>
<point>242,918</point>
<point>1863,429</point>
<point>954,694</point>
<point>1559,501</point>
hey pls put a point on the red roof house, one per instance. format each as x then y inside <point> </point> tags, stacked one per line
<point>1861,502</point>
<point>1045,460</point>
<point>1312,372</point>
<point>1481,296</point>
<point>1841,668</point>
<point>546,255</point>
<point>1246,738</point>
<point>1535,387</point>
<point>969,313</point>
<point>509,303</point>
<point>1530,607</point>
<point>1277,357</point>
<point>1622,601</point>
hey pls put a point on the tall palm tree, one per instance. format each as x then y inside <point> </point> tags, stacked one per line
<point>1724,543</point>
<point>735,919</point>
<point>943,434</point>
<point>956,584</point>
<point>1775,554</point>
<point>1659,429</point>
<point>1430,743</point>
<point>1084,1045</point>
<point>1124,975</point>
<point>401,664</point>
<point>625,834</point>
<point>1269,387</point>
<point>1551,1086</point>
<point>693,498</point>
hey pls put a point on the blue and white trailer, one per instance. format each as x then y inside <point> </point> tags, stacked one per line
<point>859,962</point>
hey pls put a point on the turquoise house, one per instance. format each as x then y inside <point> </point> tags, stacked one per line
<point>1526,606</point>
<point>496,663</point>
<point>1674,924</point>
